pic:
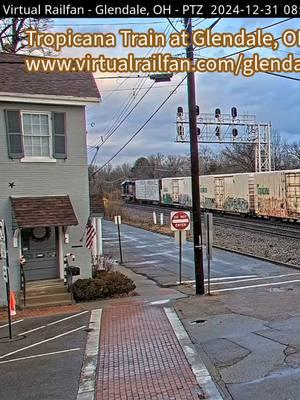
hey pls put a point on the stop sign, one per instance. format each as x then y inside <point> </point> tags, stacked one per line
<point>180,220</point>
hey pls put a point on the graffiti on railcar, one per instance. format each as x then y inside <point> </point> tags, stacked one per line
<point>236,204</point>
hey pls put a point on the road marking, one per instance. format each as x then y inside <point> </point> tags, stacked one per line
<point>200,371</point>
<point>52,323</point>
<point>43,341</point>
<point>257,279</point>
<point>15,322</point>
<point>167,252</point>
<point>40,355</point>
<point>223,278</point>
<point>254,286</point>
<point>145,262</point>
<point>88,375</point>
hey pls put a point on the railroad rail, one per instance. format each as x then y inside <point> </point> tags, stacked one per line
<point>260,225</point>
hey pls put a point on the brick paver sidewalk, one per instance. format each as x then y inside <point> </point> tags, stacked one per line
<point>140,357</point>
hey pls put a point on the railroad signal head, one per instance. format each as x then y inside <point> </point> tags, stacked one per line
<point>218,131</point>
<point>180,130</point>
<point>218,113</point>
<point>197,110</point>
<point>179,111</point>
<point>234,112</point>
<point>198,132</point>
<point>234,132</point>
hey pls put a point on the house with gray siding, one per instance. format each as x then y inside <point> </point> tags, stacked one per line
<point>44,193</point>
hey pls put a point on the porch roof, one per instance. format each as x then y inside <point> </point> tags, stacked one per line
<point>31,212</point>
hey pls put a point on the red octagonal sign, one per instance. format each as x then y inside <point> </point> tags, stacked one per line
<point>180,220</point>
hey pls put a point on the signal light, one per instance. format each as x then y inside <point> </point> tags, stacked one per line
<point>234,112</point>
<point>197,110</point>
<point>198,132</point>
<point>179,111</point>
<point>180,130</point>
<point>218,113</point>
<point>218,131</point>
<point>234,132</point>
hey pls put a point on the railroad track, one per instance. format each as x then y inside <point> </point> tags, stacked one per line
<point>275,228</point>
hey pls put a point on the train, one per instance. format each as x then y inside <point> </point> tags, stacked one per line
<point>272,194</point>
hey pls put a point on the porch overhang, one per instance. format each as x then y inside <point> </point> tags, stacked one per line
<point>42,211</point>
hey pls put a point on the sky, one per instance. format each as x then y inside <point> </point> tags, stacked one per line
<point>269,98</point>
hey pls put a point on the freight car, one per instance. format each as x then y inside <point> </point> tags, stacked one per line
<point>265,194</point>
<point>277,194</point>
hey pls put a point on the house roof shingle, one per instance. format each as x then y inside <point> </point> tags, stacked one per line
<point>15,79</point>
<point>32,212</point>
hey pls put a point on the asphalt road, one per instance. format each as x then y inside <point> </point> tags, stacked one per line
<point>156,256</point>
<point>45,362</point>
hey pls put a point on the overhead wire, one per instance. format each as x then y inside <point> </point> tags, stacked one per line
<point>120,119</point>
<point>141,127</point>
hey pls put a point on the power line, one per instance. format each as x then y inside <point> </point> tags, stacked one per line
<point>173,26</point>
<point>131,89</point>
<point>139,88</point>
<point>127,115</point>
<point>142,127</point>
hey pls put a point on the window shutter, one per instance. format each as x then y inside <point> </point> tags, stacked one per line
<point>59,135</point>
<point>14,134</point>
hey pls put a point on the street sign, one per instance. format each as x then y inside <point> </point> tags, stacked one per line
<point>180,220</point>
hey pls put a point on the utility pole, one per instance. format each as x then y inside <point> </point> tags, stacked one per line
<point>197,230</point>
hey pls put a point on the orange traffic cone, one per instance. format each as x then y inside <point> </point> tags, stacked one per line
<point>12,301</point>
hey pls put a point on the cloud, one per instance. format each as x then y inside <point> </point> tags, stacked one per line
<point>269,98</point>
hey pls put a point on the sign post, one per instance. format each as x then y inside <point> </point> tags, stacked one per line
<point>118,223</point>
<point>208,223</point>
<point>180,223</point>
<point>5,264</point>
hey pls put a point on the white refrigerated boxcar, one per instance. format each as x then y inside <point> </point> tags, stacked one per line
<point>176,191</point>
<point>147,190</point>
<point>277,194</point>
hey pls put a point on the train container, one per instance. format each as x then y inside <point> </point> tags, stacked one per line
<point>231,193</point>
<point>147,190</point>
<point>176,191</point>
<point>277,194</point>
<point>207,192</point>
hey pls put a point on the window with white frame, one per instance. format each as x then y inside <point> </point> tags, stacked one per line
<point>36,134</point>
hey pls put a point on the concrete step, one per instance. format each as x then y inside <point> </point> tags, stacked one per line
<point>39,291</point>
<point>44,283</point>
<point>49,299</point>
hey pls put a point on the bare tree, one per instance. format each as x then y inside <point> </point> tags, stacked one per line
<point>14,38</point>
<point>239,158</point>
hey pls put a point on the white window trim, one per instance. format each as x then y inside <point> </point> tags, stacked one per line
<point>35,159</point>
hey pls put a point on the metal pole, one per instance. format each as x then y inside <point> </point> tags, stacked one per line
<point>180,257</point>
<point>197,233</point>
<point>208,253</point>
<point>120,244</point>
<point>7,284</point>
<point>99,237</point>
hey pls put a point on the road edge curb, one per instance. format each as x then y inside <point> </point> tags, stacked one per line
<point>88,374</point>
<point>200,371</point>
